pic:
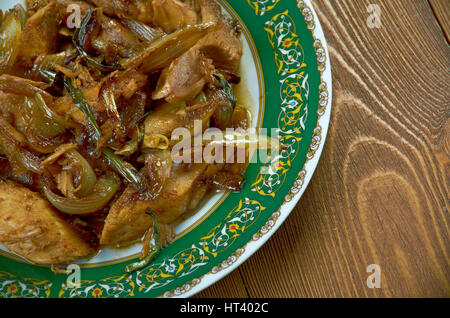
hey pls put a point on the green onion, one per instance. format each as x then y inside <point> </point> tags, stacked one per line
<point>162,51</point>
<point>124,169</point>
<point>82,104</point>
<point>155,245</point>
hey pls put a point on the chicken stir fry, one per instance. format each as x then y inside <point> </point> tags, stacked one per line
<point>87,114</point>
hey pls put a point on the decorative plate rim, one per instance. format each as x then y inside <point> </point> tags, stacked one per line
<point>304,176</point>
<point>245,249</point>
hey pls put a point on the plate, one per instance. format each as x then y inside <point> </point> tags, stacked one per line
<point>286,78</point>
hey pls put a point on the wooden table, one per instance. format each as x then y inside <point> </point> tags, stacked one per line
<point>380,194</point>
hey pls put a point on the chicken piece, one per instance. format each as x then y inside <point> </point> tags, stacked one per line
<point>127,220</point>
<point>40,33</point>
<point>30,227</point>
<point>139,10</point>
<point>185,78</point>
<point>115,41</point>
<point>222,46</point>
<point>172,15</point>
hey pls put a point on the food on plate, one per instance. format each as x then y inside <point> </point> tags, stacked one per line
<point>87,114</point>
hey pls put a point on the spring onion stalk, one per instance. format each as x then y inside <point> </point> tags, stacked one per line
<point>82,104</point>
<point>155,248</point>
<point>103,191</point>
<point>162,51</point>
<point>127,171</point>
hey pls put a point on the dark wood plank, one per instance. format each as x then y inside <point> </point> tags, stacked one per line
<point>380,194</point>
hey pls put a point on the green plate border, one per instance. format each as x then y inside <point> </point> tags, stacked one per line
<point>297,76</point>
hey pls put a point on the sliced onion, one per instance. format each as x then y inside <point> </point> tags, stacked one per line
<point>38,121</point>
<point>132,145</point>
<point>162,51</point>
<point>10,31</point>
<point>58,119</point>
<point>21,86</point>
<point>11,144</point>
<point>103,191</point>
<point>88,179</point>
<point>21,13</point>
<point>46,63</point>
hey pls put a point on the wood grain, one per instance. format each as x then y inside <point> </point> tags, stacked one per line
<point>441,10</point>
<point>380,194</point>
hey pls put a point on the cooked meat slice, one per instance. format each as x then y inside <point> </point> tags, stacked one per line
<point>127,220</point>
<point>222,46</point>
<point>172,15</point>
<point>139,10</point>
<point>40,33</point>
<point>30,227</point>
<point>184,78</point>
<point>115,41</point>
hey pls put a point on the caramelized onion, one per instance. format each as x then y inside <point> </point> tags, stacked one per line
<point>12,145</point>
<point>132,145</point>
<point>103,191</point>
<point>160,52</point>
<point>10,31</point>
<point>56,118</point>
<point>87,178</point>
